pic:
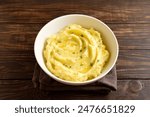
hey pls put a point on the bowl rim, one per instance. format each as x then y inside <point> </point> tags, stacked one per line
<point>71,82</point>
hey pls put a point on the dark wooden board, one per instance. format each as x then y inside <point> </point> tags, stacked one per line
<point>132,36</point>
<point>133,64</point>
<point>17,89</point>
<point>110,11</point>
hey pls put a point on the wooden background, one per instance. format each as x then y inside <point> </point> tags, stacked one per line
<point>20,21</point>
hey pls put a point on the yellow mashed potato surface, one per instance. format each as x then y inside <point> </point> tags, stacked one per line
<point>75,53</point>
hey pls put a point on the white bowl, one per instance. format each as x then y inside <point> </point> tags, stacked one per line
<point>86,21</point>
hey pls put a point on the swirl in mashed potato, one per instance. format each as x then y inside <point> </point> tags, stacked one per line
<point>75,53</point>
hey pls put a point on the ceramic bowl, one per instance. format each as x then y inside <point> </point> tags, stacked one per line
<point>53,26</point>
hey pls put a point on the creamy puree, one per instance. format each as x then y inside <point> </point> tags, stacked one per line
<point>75,53</point>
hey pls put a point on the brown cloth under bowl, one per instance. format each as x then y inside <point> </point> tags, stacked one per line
<point>43,82</point>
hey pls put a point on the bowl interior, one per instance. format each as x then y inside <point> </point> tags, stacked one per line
<point>55,25</point>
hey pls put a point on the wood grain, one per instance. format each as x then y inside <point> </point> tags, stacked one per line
<point>16,89</point>
<point>132,36</point>
<point>16,70</point>
<point>110,11</point>
<point>133,64</point>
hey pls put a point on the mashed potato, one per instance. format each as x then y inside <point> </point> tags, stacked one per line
<point>75,53</point>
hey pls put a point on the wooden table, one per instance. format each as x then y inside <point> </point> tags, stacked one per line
<point>20,21</point>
